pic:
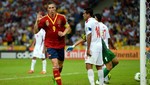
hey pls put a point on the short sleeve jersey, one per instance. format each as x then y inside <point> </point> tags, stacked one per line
<point>92,26</point>
<point>104,33</point>
<point>52,26</point>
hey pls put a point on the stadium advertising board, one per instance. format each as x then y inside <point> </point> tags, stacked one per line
<point>124,53</point>
<point>121,54</point>
<point>77,53</point>
<point>7,54</point>
<point>13,48</point>
<point>15,54</point>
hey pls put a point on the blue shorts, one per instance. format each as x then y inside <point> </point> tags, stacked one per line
<point>56,53</point>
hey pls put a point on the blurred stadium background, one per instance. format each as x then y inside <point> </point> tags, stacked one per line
<point>17,18</point>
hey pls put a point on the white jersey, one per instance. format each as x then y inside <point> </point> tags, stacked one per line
<point>92,26</point>
<point>104,33</point>
<point>39,44</point>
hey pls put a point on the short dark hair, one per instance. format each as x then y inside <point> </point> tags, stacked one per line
<point>90,11</point>
<point>51,3</point>
<point>98,16</point>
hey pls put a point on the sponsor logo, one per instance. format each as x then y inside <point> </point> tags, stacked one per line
<point>25,54</point>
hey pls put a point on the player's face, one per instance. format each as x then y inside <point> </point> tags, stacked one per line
<point>51,9</point>
<point>85,15</point>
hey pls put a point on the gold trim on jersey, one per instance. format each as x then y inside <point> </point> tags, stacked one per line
<point>54,28</point>
<point>53,22</point>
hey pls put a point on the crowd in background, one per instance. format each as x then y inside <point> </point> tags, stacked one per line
<point>18,16</point>
<point>122,20</point>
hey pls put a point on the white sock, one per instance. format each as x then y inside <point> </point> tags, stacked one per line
<point>91,76</point>
<point>44,65</point>
<point>101,77</point>
<point>33,64</point>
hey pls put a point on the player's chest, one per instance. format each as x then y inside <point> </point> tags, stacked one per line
<point>57,22</point>
<point>54,24</point>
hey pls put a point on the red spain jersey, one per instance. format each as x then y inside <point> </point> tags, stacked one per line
<point>51,27</point>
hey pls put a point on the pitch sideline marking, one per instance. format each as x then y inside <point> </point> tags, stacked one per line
<point>38,76</point>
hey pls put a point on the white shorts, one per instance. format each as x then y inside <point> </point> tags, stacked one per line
<point>95,59</point>
<point>38,53</point>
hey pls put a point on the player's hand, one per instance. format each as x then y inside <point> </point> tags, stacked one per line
<point>39,16</point>
<point>31,48</point>
<point>88,53</point>
<point>70,48</point>
<point>61,34</point>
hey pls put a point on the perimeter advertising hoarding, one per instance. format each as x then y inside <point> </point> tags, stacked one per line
<point>121,54</point>
<point>128,53</point>
<point>124,53</point>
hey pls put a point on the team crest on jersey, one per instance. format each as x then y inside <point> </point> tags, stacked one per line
<point>47,23</point>
<point>59,22</point>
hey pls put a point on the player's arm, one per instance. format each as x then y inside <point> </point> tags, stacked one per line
<point>44,49</point>
<point>67,28</point>
<point>78,42</point>
<point>111,44</point>
<point>38,18</point>
<point>81,40</point>
<point>88,38</point>
<point>70,48</point>
<point>88,44</point>
<point>36,27</point>
<point>32,45</point>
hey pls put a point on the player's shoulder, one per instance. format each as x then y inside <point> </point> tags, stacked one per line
<point>91,21</point>
<point>61,15</point>
<point>103,25</point>
<point>45,16</point>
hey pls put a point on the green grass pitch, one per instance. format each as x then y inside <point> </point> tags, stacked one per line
<point>14,72</point>
<point>148,71</point>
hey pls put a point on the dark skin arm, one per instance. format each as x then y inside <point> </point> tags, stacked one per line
<point>111,45</point>
<point>88,44</point>
<point>78,42</point>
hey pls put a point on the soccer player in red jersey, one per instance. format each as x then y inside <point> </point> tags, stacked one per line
<point>56,27</point>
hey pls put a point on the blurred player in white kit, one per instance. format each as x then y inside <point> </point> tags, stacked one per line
<point>38,51</point>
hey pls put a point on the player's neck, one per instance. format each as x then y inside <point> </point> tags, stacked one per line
<point>52,15</point>
<point>87,19</point>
